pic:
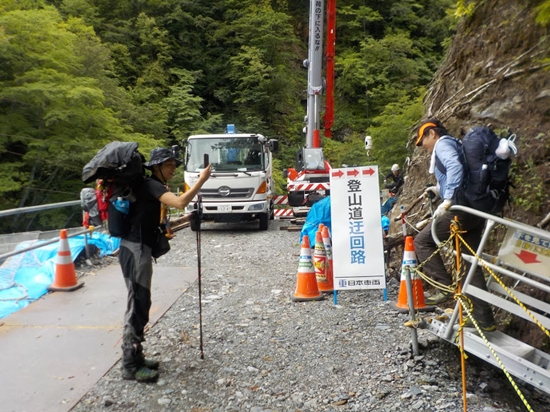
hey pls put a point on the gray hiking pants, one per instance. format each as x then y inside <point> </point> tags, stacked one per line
<point>137,268</point>
<point>425,246</point>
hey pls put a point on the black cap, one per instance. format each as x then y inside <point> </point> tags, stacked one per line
<point>161,155</point>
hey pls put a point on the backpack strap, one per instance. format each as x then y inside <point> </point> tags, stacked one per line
<point>439,163</point>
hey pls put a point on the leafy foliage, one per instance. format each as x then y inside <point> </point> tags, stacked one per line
<point>76,74</point>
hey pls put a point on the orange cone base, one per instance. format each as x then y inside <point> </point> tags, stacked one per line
<point>418,294</point>
<point>307,288</point>
<point>307,299</point>
<point>329,290</point>
<point>53,288</point>
<point>325,286</point>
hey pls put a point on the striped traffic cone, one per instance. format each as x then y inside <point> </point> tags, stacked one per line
<point>409,259</point>
<point>329,274</point>
<point>65,275</point>
<point>306,288</point>
<point>321,263</point>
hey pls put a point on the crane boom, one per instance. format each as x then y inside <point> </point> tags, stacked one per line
<point>309,181</point>
<point>315,63</point>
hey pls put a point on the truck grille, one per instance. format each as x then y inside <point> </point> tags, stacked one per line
<point>233,193</point>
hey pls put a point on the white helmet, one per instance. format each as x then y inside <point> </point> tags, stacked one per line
<point>395,167</point>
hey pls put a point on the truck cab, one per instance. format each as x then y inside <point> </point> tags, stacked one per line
<point>241,185</point>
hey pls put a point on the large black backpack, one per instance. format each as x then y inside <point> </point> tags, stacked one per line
<point>119,167</point>
<point>486,184</point>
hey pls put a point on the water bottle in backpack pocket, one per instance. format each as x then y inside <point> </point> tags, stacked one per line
<point>118,220</point>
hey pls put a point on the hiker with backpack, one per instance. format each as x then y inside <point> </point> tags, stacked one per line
<point>137,250</point>
<point>447,166</point>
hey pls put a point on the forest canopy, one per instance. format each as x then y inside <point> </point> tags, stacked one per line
<point>76,74</point>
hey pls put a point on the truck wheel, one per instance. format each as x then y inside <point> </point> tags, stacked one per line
<point>272,212</point>
<point>264,221</point>
<point>193,225</point>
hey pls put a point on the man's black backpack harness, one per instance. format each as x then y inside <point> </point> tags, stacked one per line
<point>485,186</point>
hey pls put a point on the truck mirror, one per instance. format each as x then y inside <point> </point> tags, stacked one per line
<point>273,145</point>
<point>285,174</point>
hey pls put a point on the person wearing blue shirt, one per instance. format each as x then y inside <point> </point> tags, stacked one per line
<point>433,137</point>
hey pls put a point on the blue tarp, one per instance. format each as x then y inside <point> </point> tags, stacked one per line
<point>26,276</point>
<point>320,213</point>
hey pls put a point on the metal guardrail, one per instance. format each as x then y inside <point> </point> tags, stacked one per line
<point>520,359</point>
<point>38,208</point>
<point>84,232</point>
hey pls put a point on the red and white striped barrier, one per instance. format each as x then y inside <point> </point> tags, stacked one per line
<point>280,200</point>
<point>308,186</point>
<point>281,213</point>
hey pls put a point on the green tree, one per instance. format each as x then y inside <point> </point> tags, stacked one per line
<point>53,111</point>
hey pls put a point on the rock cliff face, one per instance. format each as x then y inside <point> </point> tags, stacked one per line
<point>496,73</point>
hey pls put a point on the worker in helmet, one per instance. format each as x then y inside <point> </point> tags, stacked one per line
<point>396,177</point>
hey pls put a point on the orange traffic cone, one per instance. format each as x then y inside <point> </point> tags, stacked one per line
<point>306,288</point>
<point>65,275</point>
<point>409,259</point>
<point>329,274</point>
<point>320,263</point>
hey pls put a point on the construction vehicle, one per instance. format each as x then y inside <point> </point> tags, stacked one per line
<point>241,185</point>
<point>308,181</point>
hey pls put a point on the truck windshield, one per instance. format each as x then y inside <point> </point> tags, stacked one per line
<point>314,159</point>
<point>227,154</point>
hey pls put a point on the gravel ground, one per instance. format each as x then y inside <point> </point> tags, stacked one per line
<point>263,352</point>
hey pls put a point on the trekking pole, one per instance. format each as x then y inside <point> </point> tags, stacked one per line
<point>197,218</point>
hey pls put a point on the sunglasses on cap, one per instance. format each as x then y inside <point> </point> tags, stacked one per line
<point>422,131</point>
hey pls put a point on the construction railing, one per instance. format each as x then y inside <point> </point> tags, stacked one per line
<point>523,262</point>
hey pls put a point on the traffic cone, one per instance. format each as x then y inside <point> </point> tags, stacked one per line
<point>65,275</point>
<point>409,259</point>
<point>321,264</point>
<point>306,288</point>
<point>329,274</point>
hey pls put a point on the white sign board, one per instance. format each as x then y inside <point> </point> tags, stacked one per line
<point>356,220</point>
<point>526,252</point>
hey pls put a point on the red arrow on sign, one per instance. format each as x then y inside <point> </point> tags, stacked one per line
<point>353,173</point>
<point>527,257</point>
<point>368,171</point>
<point>339,173</point>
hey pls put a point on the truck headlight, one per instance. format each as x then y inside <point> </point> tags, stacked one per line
<point>257,206</point>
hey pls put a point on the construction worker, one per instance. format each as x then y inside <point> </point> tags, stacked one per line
<point>397,178</point>
<point>433,137</point>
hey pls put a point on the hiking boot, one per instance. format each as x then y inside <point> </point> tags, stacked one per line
<point>439,297</point>
<point>151,363</point>
<point>484,326</point>
<point>143,374</point>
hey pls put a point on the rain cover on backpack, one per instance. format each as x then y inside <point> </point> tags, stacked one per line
<point>118,169</point>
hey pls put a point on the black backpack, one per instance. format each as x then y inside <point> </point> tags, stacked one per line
<point>118,169</point>
<point>486,184</point>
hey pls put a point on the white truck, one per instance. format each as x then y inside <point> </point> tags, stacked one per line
<point>241,186</point>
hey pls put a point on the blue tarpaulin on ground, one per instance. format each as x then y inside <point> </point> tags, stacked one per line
<point>25,277</point>
<point>320,213</point>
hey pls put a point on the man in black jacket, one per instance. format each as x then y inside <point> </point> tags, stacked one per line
<point>397,178</point>
<point>136,254</point>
